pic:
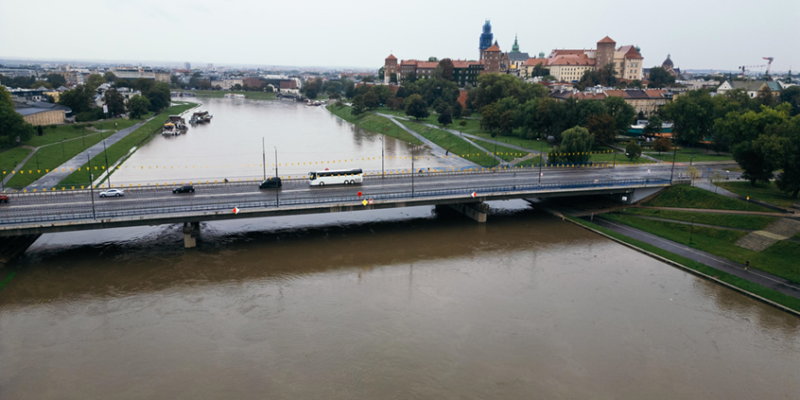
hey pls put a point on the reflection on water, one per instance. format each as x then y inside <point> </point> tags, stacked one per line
<point>306,139</point>
<point>380,305</point>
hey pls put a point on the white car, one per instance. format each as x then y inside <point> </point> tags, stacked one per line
<point>112,193</point>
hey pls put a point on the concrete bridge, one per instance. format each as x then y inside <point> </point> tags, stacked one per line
<point>33,214</point>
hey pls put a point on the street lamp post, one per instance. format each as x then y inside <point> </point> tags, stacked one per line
<point>277,190</point>
<point>108,171</point>
<point>412,172</point>
<point>37,161</point>
<point>691,232</point>
<point>63,154</point>
<point>674,154</point>
<point>264,157</point>
<point>541,160</point>
<point>91,184</point>
<point>382,161</point>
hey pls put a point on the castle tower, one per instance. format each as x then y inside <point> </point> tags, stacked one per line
<point>486,38</point>
<point>492,58</point>
<point>605,52</point>
<point>389,68</point>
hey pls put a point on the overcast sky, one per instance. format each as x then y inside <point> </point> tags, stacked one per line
<point>714,34</point>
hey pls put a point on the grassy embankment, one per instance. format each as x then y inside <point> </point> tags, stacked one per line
<point>222,93</point>
<point>76,138</point>
<point>374,123</point>
<point>453,143</point>
<point>756,289</point>
<point>685,155</point>
<point>121,149</point>
<point>506,153</point>
<point>684,196</point>
<point>761,192</point>
<point>752,222</point>
<point>779,259</point>
<point>9,158</point>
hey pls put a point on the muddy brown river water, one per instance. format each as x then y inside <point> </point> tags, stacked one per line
<point>390,304</point>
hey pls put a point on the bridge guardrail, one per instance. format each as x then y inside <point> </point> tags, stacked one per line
<point>340,196</point>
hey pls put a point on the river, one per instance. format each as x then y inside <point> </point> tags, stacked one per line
<point>393,304</point>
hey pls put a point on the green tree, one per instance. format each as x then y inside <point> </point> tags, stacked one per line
<point>56,80</point>
<point>138,106</point>
<point>621,111</point>
<point>608,74</point>
<point>576,144</point>
<point>603,127</point>
<point>12,124</point>
<point>789,177</point>
<point>653,126</point>
<point>791,95</point>
<point>393,78</point>
<point>765,97</point>
<point>490,118</point>
<point>633,151</point>
<point>381,73</point>
<point>662,145</point>
<point>110,77</point>
<point>38,84</point>
<point>95,80</point>
<point>115,102</point>
<point>349,88</point>
<point>416,107</point>
<point>659,78</point>
<point>359,105</point>
<point>159,96</point>
<point>692,115</point>
<point>445,118</point>
<point>456,110</point>
<point>446,67</point>
<point>79,99</point>
<point>371,100</point>
<point>760,157</point>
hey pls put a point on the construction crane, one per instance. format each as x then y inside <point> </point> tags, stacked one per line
<point>746,67</point>
<point>769,64</point>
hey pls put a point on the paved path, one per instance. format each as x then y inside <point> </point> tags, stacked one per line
<point>21,163</point>
<point>753,275</point>
<point>435,148</point>
<point>62,171</point>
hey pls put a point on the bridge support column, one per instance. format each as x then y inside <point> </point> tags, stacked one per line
<point>13,247</point>
<point>476,211</point>
<point>191,230</point>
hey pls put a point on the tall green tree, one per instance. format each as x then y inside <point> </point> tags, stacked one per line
<point>381,73</point>
<point>622,112</point>
<point>445,118</point>
<point>12,124</point>
<point>791,95</point>
<point>114,101</point>
<point>79,99</point>
<point>416,107</point>
<point>660,78</point>
<point>576,143</point>
<point>371,100</point>
<point>138,106</point>
<point>359,105</point>
<point>603,127</point>
<point>760,157</point>
<point>633,151</point>
<point>95,80</point>
<point>56,80</point>
<point>490,118</point>
<point>159,96</point>
<point>110,77</point>
<point>446,68</point>
<point>653,127</point>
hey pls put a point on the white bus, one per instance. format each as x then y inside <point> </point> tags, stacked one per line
<point>336,177</point>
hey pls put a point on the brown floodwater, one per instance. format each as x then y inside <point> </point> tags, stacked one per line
<point>380,304</point>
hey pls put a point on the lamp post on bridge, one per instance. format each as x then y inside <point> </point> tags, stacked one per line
<point>264,157</point>
<point>412,172</point>
<point>541,160</point>
<point>108,171</point>
<point>91,183</point>
<point>382,156</point>
<point>277,190</point>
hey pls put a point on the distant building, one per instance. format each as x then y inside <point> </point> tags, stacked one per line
<point>464,72</point>
<point>646,101</point>
<point>751,87</point>
<point>627,59</point>
<point>253,82</point>
<point>43,113</point>
<point>135,73</point>
<point>494,60</point>
<point>485,39</point>
<point>187,65</point>
<point>162,75</point>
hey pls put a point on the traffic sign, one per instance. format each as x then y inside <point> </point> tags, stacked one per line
<point>370,201</point>
<point>364,202</point>
<point>474,194</point>
<point>359,193</point>
<point>235,210</point>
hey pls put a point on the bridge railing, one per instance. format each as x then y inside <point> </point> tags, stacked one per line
<point>327,197</point>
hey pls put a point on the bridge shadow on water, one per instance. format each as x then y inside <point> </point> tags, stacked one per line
<point>290,249</point>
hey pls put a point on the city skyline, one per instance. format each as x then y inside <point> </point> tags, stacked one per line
<point>336,36</point>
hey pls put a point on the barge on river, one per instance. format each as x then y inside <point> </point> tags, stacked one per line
<point>200,117</point>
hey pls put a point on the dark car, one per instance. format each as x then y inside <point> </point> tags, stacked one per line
<point>3,198</point>
<point>184,189</point>
<point>271,183</point>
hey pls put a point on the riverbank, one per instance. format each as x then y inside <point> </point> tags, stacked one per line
<point>222,93</point>
<point>123,147</point>
<point>373,123</point>
<point>56,146</point>
<point>708,244</point>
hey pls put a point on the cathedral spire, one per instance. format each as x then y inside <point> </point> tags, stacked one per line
<point>515,47</point>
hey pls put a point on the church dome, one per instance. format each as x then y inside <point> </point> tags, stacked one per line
<point>667,63</point>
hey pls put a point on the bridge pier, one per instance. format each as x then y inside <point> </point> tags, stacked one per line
<point>476,211</point>
<point>13,247</point>
<point>191,230</point>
